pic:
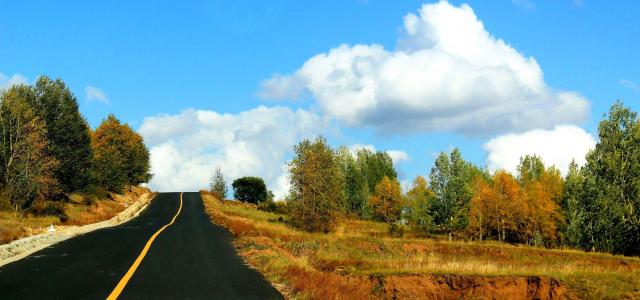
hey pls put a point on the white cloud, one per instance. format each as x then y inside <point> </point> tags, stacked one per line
<point>397,156</point>
<point>630,85</point>
<point>556,147</point>
<point>282,87</point>
<point>6,82</point>
<point>578,3</point>
<point>447,73</point>
<point>526,4</point>
<point>186,147</point>
<point>93,93</point>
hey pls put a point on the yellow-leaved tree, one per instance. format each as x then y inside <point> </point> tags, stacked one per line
<point>120,156</point>
<point>387,201</point>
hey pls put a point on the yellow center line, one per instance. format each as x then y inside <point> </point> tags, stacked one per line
<point>123,282</point>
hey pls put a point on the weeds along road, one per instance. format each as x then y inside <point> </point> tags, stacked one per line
<point>189,259</point>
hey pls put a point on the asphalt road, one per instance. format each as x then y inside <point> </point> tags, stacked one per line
<point>190,259</point>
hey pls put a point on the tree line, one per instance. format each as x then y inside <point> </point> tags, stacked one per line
<point>594,207</point>
<point>48,150</point>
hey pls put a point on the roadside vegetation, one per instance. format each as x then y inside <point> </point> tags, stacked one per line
<point>364,259</point>
<point>78,210</point>
<point>347,222</point>
<point>54,169</point>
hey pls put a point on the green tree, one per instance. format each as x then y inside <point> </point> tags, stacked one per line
<point>67,131</point>
<point>26,169</point>
<point>218,185</point>
<point>419,199</point>
<point>317,186</point>
<point>356,193</point>
<point>374,166</point>
<point>450,181</point>
<point>530,169</point>
<point>250,189</point>
<point>612,176</point>
<point>120,156</point>
<point>576,211</point>
<point>138,158</point>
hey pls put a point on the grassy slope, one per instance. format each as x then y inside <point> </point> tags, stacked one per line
<point>14,225</point>
<point>311,265</point>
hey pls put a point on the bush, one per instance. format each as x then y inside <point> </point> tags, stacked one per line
<point>217,195</point>
<point>5,202</point>
<point>537,240</point>
<point>48,208</point>
<point>279,207</point>
<point>396,230</point>
<point>282,208</point>
<point>268,205</point>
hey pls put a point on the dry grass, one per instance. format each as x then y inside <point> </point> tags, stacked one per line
<point>14,225</point>
<point>357,257</point>
<point>78,211</point>
<point>101,210</point>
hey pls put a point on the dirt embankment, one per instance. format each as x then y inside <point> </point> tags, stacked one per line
<point>330,285</point>
<point>21,248</point>
<point>471,287</point>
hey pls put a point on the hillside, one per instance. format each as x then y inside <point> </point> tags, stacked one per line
<point>362,259</point>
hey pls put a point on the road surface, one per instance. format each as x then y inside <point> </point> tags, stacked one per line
<point>189,259</point>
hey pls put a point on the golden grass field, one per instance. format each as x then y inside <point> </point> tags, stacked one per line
<point>360,260</point>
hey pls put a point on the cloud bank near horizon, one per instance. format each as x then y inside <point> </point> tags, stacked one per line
<point>187,147</point>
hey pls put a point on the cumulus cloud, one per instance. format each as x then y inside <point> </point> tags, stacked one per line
<point>186,147</point>
<point>93,93</point>
<point>447,73</point>
<point>556,147</point>
<point>15,79</point>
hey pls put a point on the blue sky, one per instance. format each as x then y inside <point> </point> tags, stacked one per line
<point>152,58</point>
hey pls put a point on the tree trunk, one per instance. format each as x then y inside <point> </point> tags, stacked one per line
<point>481,227</point>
